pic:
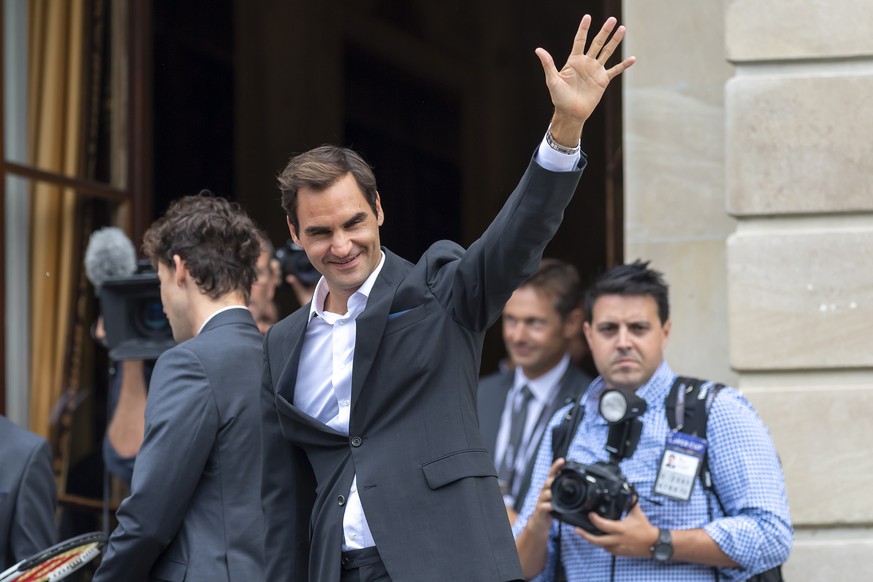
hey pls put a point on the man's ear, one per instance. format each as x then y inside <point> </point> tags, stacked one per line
<point>292,231</point>
<point>180,272</point>
<point>380,216</point>
<point>586,329</point>
<point>666,331</point>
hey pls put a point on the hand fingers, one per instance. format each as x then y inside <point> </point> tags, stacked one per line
<point>588,537</point>
<point>548,64</point>
<point>620,68</point>
<point>603,541</point>
<point>546,492</point>
<point>556,467</point>
<point>607,526</point>
<point>611,45</point>
<point>581,36</point>
<point>600,39</point>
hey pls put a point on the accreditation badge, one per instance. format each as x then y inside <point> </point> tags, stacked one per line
<point>680,464</point>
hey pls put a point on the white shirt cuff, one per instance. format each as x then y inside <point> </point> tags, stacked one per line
<point>555,161</point>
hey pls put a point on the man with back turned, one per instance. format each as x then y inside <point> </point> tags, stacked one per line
<point>194,510</point>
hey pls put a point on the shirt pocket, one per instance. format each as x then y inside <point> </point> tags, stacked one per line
<point>458,465</point>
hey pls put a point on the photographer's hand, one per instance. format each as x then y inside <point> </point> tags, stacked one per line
<point>634,536</point>
<point>631,537</point>
<point>302,293</point>
<point>533,541</point>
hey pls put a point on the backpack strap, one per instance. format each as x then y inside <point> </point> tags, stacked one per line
<point>692,398</point>
<point>698,397</point>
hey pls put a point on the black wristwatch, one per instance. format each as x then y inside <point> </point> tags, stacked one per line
<point>663,548</point>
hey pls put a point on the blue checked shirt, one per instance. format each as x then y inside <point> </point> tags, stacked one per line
<point>756,530</point>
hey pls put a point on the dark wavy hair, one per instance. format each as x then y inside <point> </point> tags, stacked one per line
<point>216,239</point>
<point>319,169</point>
<point>633,279</point>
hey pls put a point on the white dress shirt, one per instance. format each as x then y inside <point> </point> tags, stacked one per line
<point>543,389</point>
<point>329,344</point>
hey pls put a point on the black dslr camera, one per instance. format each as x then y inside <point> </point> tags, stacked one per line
<point>580,489</point>
<point>294,261</point>
<point>600,487</point>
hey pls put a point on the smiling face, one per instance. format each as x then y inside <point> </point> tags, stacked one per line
<point>340,234</point>
<point>535,334</point>
<point>627,339</point>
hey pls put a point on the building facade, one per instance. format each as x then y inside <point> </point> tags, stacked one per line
<point>749,182</point>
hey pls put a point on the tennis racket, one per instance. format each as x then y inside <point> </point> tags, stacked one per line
<point>58,561</point>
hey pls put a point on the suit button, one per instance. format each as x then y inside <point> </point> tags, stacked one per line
<point>345,561</point>
<point>356,441</point>
<point>341,500</point>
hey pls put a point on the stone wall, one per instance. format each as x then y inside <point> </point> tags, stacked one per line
<point>791,196</point>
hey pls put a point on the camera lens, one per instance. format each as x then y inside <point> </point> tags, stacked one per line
<point>570,492</point>
<point>149,319</point>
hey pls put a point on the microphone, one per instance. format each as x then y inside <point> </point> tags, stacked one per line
<point>109,254</point>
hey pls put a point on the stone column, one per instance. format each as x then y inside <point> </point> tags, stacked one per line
<point>800,265</point>
<point>674,170</point>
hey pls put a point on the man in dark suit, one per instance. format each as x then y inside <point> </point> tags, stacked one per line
<point>369,395</point>
<point>540,321</point>
<point>194,512</point>
<point>27,494</point>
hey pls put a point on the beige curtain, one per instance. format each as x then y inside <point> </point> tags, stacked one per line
<point>55,131</point>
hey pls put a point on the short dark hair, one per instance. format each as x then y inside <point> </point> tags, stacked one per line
<point>633,279</point>
<point>319,169</point>
<point>559,280</point>
<point>216,239</point>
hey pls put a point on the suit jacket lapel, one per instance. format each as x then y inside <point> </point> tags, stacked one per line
<point>291,344</point>
<point>371,323</point>
<point>491,409</point>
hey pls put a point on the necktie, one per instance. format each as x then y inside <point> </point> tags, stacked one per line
<point>516,437</point>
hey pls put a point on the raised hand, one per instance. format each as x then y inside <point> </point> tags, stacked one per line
<point>578,87</point>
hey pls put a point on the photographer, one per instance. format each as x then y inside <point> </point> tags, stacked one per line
<point>739,528</point>
<point>110,256</point>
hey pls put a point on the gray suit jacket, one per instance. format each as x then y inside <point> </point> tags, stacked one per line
<point>194,512</point>
<point>27,494</point>
<point>493,390</point>
<point>425,478</point>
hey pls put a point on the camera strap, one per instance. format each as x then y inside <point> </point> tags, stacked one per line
<point>562,436</point>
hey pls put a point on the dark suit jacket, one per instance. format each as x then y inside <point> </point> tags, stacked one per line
<point>493,390</point>
<point>27,494</point>
<point>425,478</point>
<point>194,512</point>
